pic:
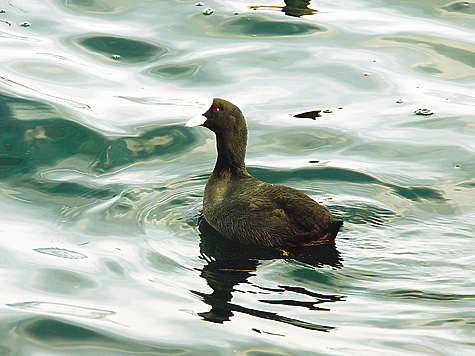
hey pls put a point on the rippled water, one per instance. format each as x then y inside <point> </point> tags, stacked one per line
<point>103,249</point>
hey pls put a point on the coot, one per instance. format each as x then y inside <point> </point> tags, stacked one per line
<point>246,209</point>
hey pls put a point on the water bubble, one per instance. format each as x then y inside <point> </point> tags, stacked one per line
<point>424,112</point>
<point>207,11</point>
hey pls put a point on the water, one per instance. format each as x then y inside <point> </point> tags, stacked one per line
<point>101,183</point>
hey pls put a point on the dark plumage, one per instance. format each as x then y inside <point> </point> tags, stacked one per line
<point>246,209</point>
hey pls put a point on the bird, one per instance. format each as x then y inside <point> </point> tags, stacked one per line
<point>247,210</point>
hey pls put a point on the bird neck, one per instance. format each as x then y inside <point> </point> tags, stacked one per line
<point>231,153</point>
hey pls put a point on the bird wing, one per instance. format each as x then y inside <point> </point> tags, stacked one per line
<point>305,213</point>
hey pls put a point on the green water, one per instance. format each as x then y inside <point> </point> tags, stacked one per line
<point>102,246</point>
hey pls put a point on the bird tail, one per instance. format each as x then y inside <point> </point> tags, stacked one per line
<point>312,238</point>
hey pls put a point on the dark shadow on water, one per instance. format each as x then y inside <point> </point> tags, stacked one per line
<point>121,49</point>
<point>462,7</point>
<point>230,264</point>
<point>35,136</point>
<point>258,25</point>
<point>175,71</point>
<point>49,138</point>
<point>57,334</point>
<point>186,73</point>
<point>335,174</point>
<point>363,213</point>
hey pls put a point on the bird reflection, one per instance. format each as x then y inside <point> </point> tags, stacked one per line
<point>295,8</point>
<point>230,264</point>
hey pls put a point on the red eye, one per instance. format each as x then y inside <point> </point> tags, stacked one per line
<point>216,110</point>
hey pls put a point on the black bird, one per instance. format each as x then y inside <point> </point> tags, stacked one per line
<point>246,209</point>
